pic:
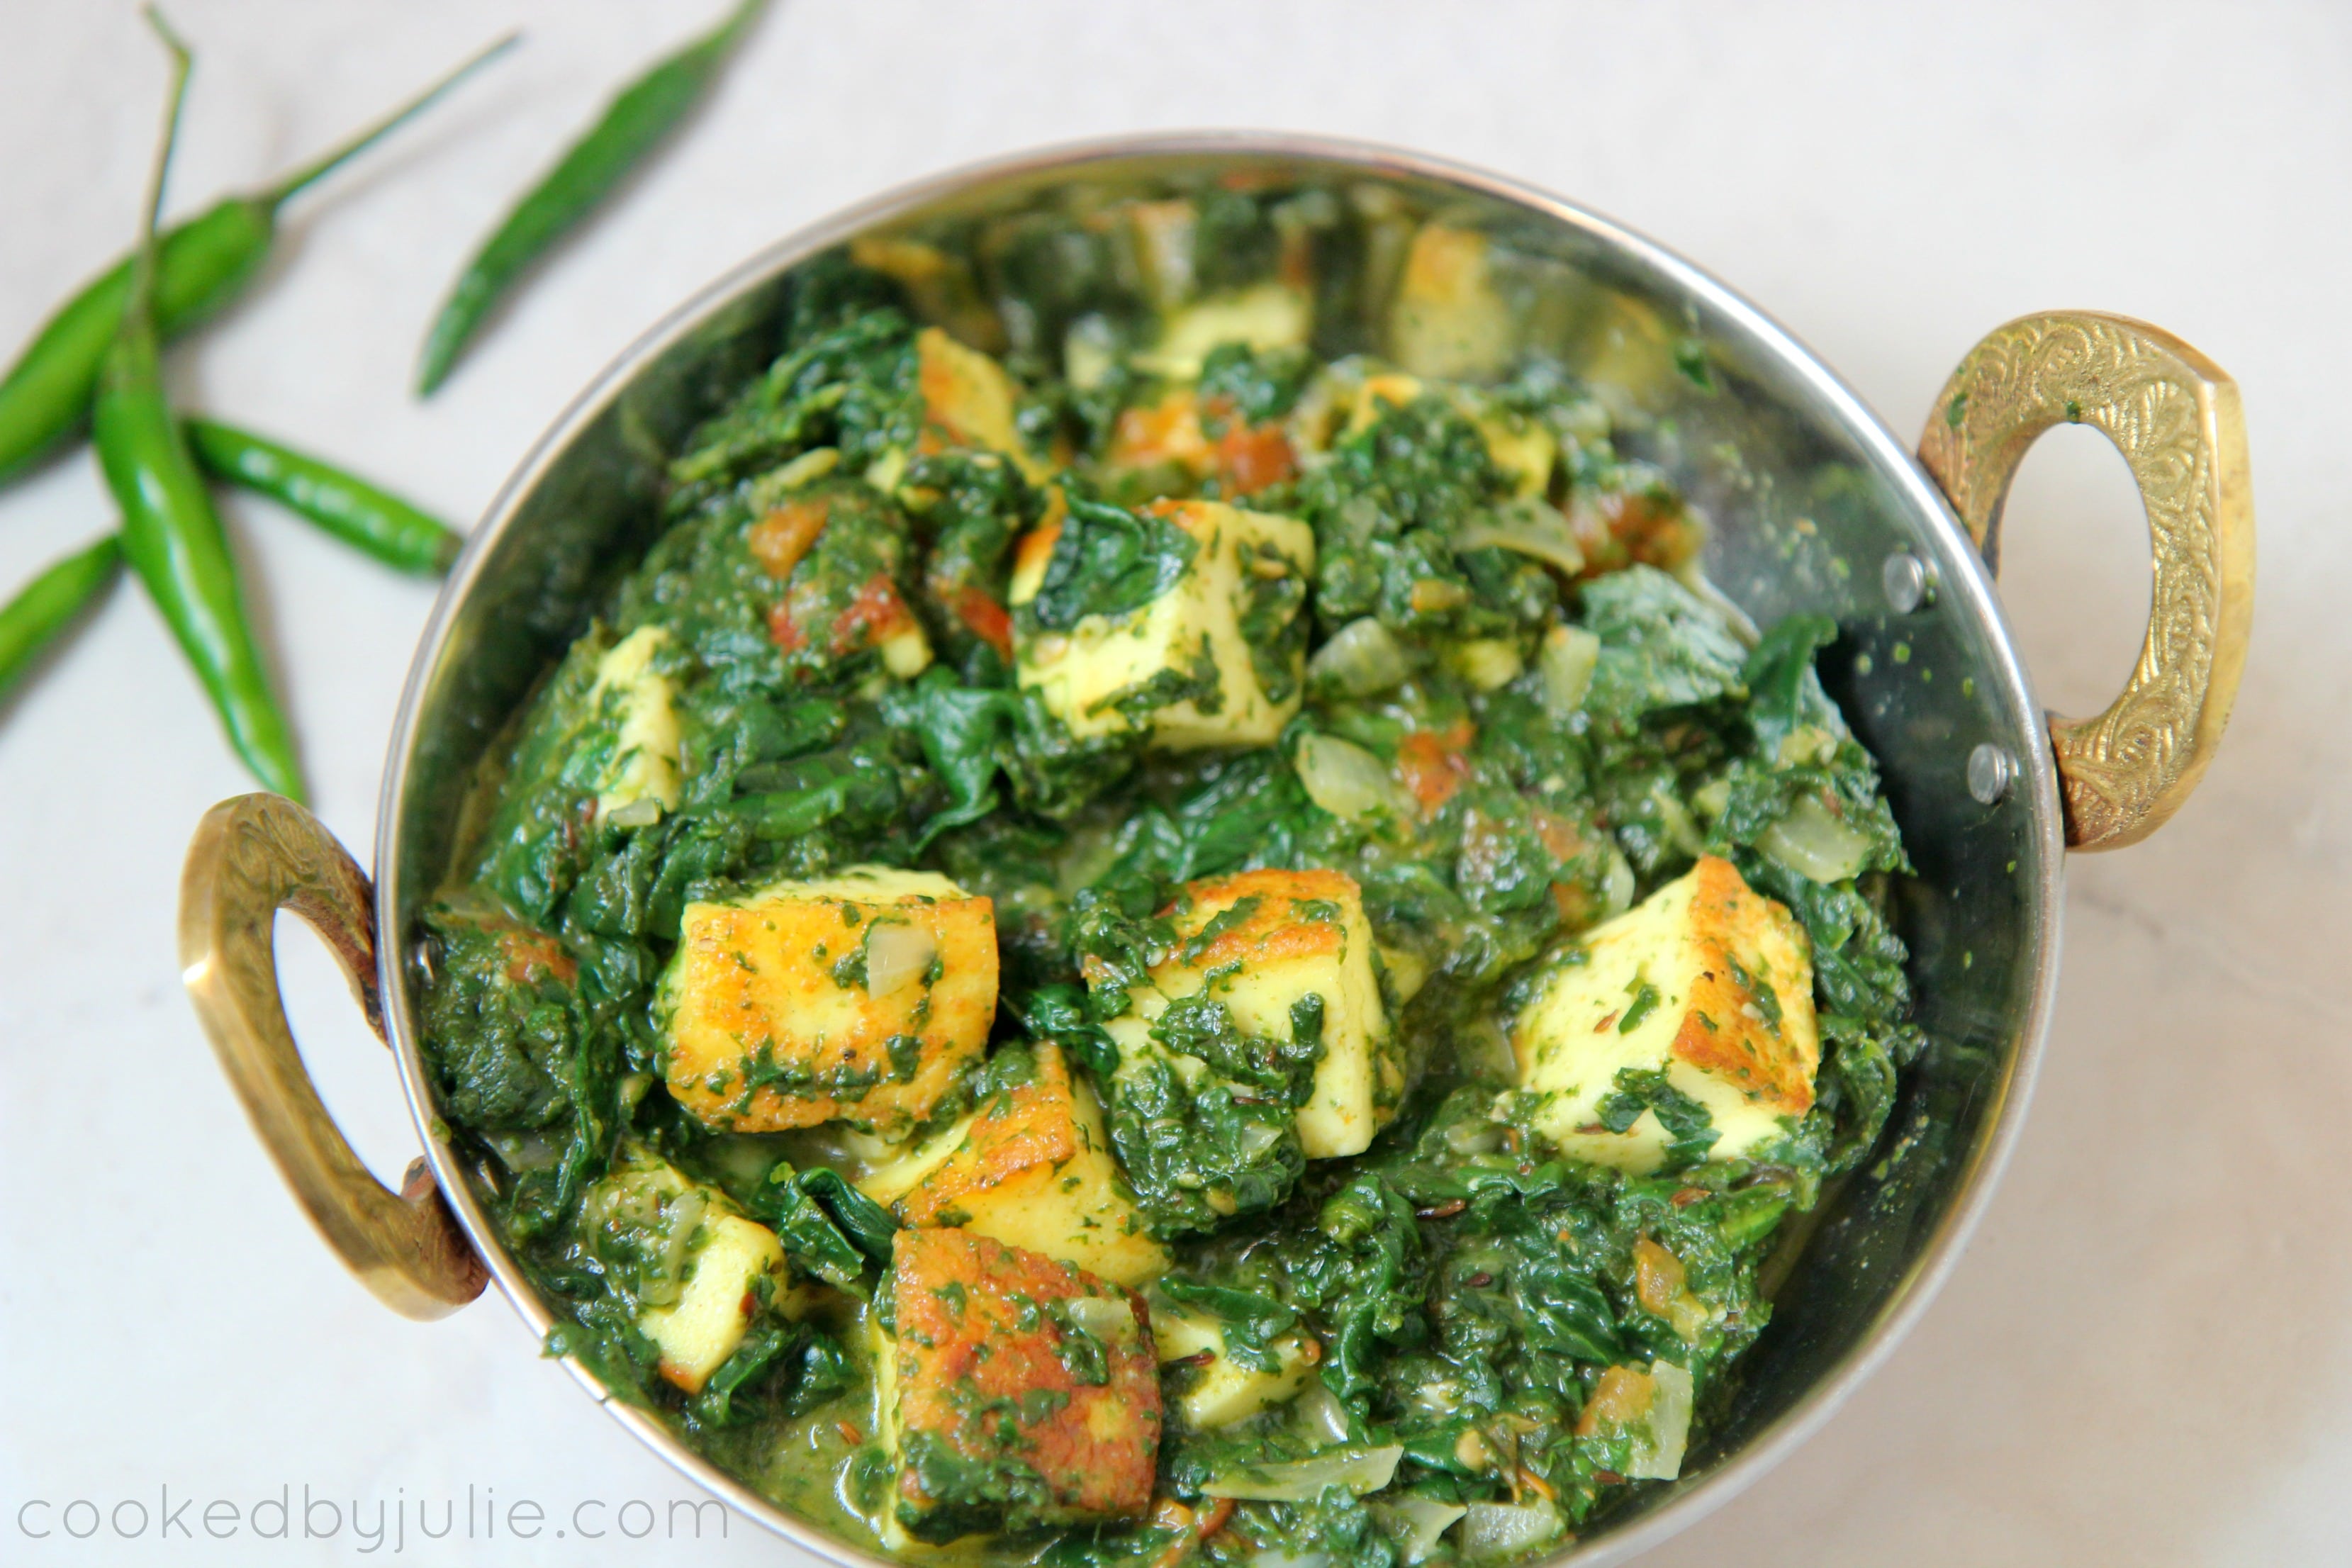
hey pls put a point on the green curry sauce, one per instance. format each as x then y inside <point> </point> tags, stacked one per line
<point>1494,786</point>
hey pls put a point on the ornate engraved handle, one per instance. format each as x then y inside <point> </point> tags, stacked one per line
<point>2175,417</point>
<point>252,856</point>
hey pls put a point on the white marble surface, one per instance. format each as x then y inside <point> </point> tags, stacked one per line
<point>2144,1356</point>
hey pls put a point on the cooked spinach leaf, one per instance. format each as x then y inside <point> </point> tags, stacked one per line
<point>1109,561</point>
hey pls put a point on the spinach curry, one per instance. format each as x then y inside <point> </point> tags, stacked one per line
<point>1161,923</point>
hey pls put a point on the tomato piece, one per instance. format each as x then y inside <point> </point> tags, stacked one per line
<point>984,617</point>
<point>534,955</point>
<point>782,630</point>
<point>876,614</point>
<point>1253,457</point>
<point>1431,764</point>
<point>778,540</point>
<point>1166,432</point>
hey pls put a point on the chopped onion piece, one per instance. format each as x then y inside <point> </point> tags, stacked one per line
<point>1566,664</point>
<point>1808,744</point>
<point>642,812</point>
<point>683,1216</point>
<point>1346,780</point>
<point>1108,1317</point>
<point>527,1151</point>
<point>1320,1410</point>
<point>1674,821</point>
<point>1361,658</point>
<point>1530,528</point>
<point>896,954</point>
<point>1255,1139</point>
<point>1691,575</point>
<point>806,468</point>
<point>1422,1521</point>
<point>1656,1453</point>
<point>1473,1135</point>
<point>1811,842</point>
<point>1437,1397</point>
<point>1486,663</point>
<point>1360,1470</point>
<point>1617,886</point>
<point>1498,1530</point>
<point>1090,351</point>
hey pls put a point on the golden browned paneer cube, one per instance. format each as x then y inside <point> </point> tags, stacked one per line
<point>1031,1167</point>
<point>1280,938</point>
<point>1705,980</point>
<point>859,997</point>
<point>1016,1391</point>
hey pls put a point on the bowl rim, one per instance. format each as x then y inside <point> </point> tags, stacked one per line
<point>1962,576</point>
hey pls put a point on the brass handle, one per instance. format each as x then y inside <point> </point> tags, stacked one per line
<point>252,856</point>
<point>2175,417</point>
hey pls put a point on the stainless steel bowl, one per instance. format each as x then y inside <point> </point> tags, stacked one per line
<point>1815,506</point>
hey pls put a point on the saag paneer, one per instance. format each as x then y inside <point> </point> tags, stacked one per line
<point>1153,928</point>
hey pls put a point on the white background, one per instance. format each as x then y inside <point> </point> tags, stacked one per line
<point>2143,1356</point>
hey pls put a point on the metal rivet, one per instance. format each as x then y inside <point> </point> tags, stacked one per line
<point>1904,579</point>
<point>420,958</point>
<point>1990,770</point>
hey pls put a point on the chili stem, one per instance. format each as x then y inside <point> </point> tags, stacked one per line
<point>334,158</point>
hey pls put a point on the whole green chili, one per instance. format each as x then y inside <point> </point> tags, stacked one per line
<point>171,535</point>
<point>32,620</point>
<point>202,264</point>
<point>646,110</point>
<point>369,520</point>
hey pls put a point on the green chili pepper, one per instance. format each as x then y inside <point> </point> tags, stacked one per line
<point>647,110</point>
<point>50,603</point>
<point>204,263</point>
<point>171,535</point>
<point>369,520</point>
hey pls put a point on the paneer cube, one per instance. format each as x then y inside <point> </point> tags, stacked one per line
<point>1214,659</point>
<point>1278,948</point>
<point>1015,1391</point>
<point>940,284</point>
<point>639,780</point>
<point>716,1299</point>
<point>1705,980</point>
<point>1523,450</point>
<point>699,1270</point>
<point>1267,316</point>
<point>1448,319</point>
<point>861,998</point>
<point>1163,237</point>
<point>1031,1167</point>
<point>1220,1390</point>
<point>968,401</point>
